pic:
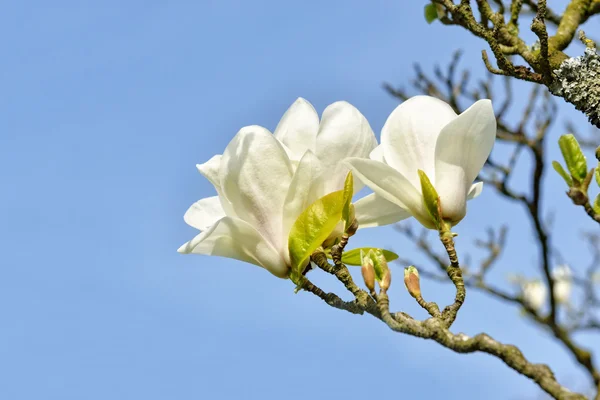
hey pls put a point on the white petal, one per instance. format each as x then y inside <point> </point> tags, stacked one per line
<point>374,210</point>
<point>452,189</point>
<point>210,170</point>
<point>305,188</point>
<point>256,174</point>
<point>234,238</point>
<point>204,213</point>
<point>410,133</point>
<point>391,185</point>
<point>298,128</point>
<point>344,132</point>
<point>461,150</point>
<point>377,154</point>
<point>475,190</point>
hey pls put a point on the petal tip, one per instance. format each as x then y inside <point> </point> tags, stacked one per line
<point>184,248</point>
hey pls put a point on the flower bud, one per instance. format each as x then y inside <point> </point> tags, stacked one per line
<point>386,280</point>
<point>368,271</point>
<point>381,264</point>
<point>411,280</point>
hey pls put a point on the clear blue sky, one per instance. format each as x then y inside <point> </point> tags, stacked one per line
<point>106,107</point>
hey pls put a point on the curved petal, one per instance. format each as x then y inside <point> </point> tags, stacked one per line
<point>210,170</point>
<point>377,154</point>
<point>475,190</point>
<point>256,174</point>
<point>298,128</point>
<point>234,238</point>
<point>306,187</point>
<point>344,132</point>
<point>204,213</point>
<point>391,185</point>
<point>373,210</point>
<point>452,190</point>
<point>461,150</point>
<point>410,133</point>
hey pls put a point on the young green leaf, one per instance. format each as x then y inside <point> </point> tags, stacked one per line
<point>379,263</point>
<point>431,199</point>
<point>312,227</point>
<point>347,213</point>
<point>430,13</point>
<point>353,257</point>
<point>574,157</point>
<point>597,174</point>
<point>561,171</point>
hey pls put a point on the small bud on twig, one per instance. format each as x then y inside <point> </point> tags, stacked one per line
<point>386,280</point>
<point>412,282</point>
<point>382,271</point>
<point>368,272</point>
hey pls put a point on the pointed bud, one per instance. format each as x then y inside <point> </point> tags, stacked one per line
<point>411,280</point>
<point>379,263</point>
<point>431,199</point>
<point>368,271</point>
<point>588,179</point>
<point>386,280</point>
<point>574,158</point>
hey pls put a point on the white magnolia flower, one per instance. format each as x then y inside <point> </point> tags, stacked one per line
<point>534,294</point>
<point>424,133</point>
<point>264,181</point>
<point>563,283</point>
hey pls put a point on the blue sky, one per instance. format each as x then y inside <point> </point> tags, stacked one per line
<point>107,107</point>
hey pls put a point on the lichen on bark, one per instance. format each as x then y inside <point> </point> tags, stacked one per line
<point>578,82</point>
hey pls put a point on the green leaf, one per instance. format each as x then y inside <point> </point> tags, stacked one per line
<point>379,263</point>
<point>597,174</point>
<point>574,157</point>
<point>348,192</point>
<point>312,227</point>
<point>430,198</point>
<point>596,206</point>
<point>561,171</point>
<point>352,257</point>
<point>430,13</point>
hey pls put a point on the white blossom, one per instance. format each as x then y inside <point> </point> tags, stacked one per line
<point>563,283</point>
<point>424,133</point>
<point>534,294</point>
<point>264,181</point>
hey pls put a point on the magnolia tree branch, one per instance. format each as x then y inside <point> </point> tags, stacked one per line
<point>527,137</point>
<point>435,328</point>
<point>575,79</point>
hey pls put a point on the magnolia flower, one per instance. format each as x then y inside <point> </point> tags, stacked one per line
<point>264,181</point>
<point>424,133</point>
<point>534,294</point>
<point>562,283</point>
